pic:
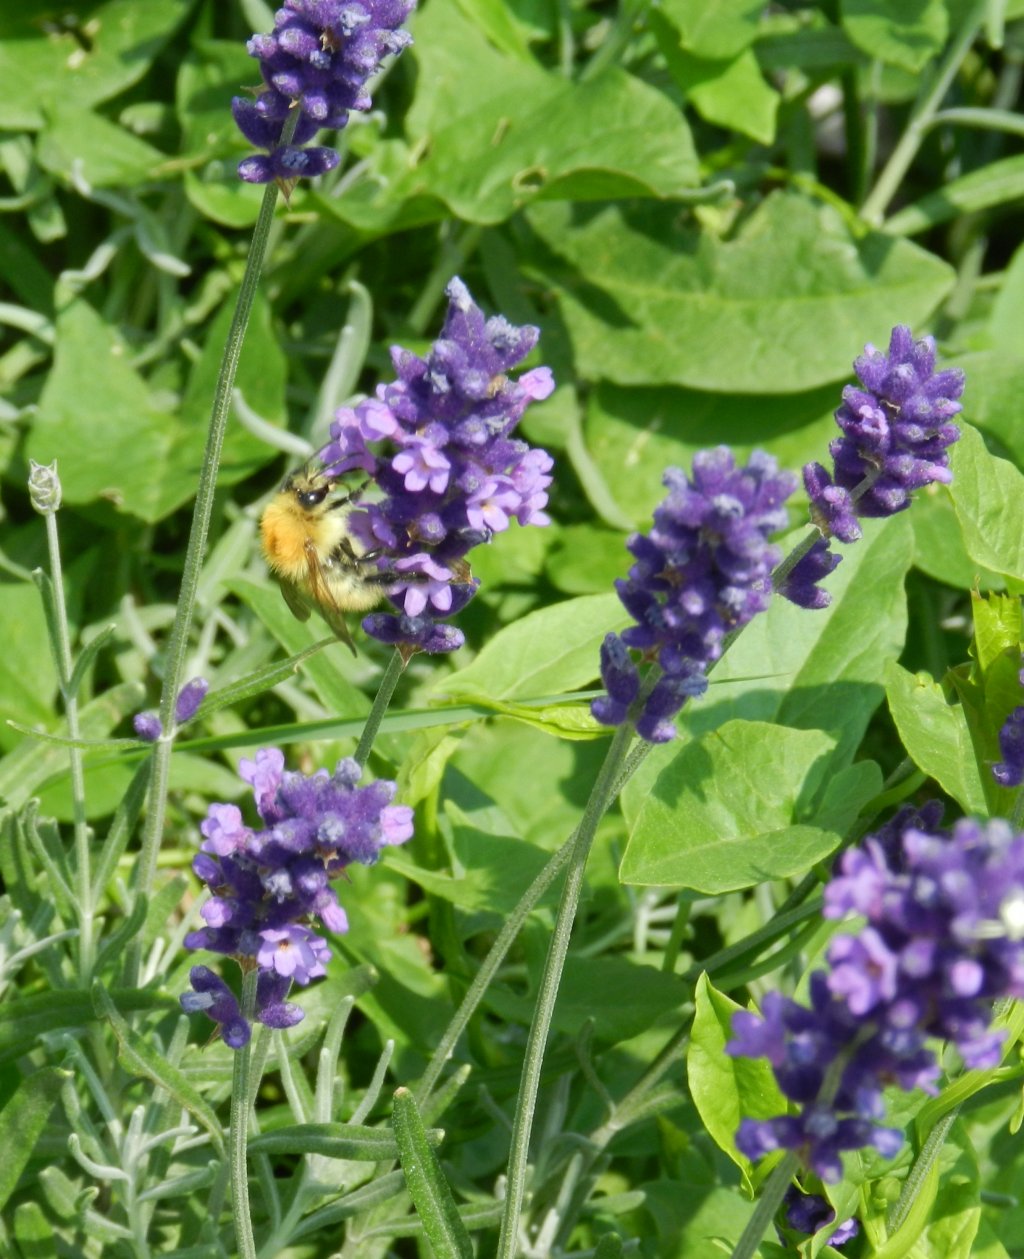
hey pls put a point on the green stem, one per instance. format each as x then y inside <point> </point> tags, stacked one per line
<point>395,669</point>
<point>536,1043</point>
<point>481,980</point>
<point>177,646</point>
<point>873,209</point>
<point>917,1175</point>
<point>238,1133</point>
<point>83,882</point>
<point>767,1205</point>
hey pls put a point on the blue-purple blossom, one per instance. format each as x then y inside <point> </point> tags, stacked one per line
<point>148,725</point>
<point>896,430</point>
<point>943,939</point>
<point>268,884</point>
<point>800,585</point>
<point>189,698</point>
<point>810,1212</point>
<point>703,571</point>
<point>1010,770</point>
<point>438,444</point>
<point>316,60</point>
<point>211,995</point>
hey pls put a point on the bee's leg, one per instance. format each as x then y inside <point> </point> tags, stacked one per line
<point>353,496</point>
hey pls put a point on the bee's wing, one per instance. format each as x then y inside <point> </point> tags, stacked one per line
<point>320,589</point>
<point>298,605</point>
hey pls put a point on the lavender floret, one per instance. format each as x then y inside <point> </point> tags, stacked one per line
<point>1010,770</point>
<point>269,884</point>
<point>317,60</point>
<point>189,698</point>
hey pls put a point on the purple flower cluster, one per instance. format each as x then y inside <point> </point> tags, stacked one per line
<point>147,724</point>
<point>438,444</point>
<point>944,938</point>
<point>896,434</point>
<point>267,884</point>
<point>1010,770</point>
<point>316,60</point>
<point>703,571</point>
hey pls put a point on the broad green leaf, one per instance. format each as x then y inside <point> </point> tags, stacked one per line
<point>94,403</point>
<point>23,1120</point>
<point>988,494</point>
<point>632,998</point>
<point>997,628</point>
<point>726,89</point>
<point>998,183</point>
<point>426,1182</point>
<point>906,33</point>
<point>820,670</point>
<point>732,94</point>
<point>106,155</point>
<point>491,871</point>
<point>733,810</point>
<point>649,299</point>
<point>500,24</point>
<point>489,132</point>
<point>939,548</point>
<point>40,68</point>
<point>333,1140</point>
<point>726,1089</point>
<point>995,379</point>
<point>936,736</point>
<point>715,29</point>
<point>562,721</point>
<point>138,1056</point>
<point>546,653</point>
<point>634,434</point>
<point>28,680</point>
<point>1007,313</point>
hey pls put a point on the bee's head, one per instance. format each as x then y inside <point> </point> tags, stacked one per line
<point>309,486</point>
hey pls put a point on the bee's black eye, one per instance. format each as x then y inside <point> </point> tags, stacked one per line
<point>311,498</point>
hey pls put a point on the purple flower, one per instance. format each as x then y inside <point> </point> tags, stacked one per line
<point>317,60</point>
<point>1010,770</point>
<point>944,938</point>
<point>269,884</point>
<point>896,433</point>
<point>148,726</point>
<point>801,584</point>
<point>211,995</point>
<point>189,698</point>
<point>438,444</point>
<point>703,571</point>
<point>809,1212</point>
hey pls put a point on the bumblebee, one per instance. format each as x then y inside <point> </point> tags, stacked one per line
<point>310,548</point>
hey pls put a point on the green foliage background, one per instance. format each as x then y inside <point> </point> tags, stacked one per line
<point>693,202</point>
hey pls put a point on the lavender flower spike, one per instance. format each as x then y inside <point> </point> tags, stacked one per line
<point>439,444</point>
<point>896,435</point>
<point>703,571</point>
<point>268,884</point>
<point>317,60</point>
<point>943,940</point>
